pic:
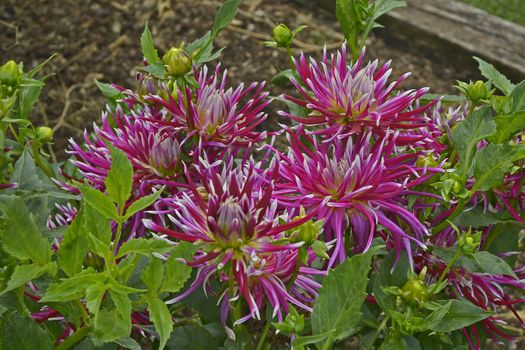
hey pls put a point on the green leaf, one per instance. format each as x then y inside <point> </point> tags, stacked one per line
<point>311,339</point>
<point>490,263</point>
<point>153,275</point>
<point>107,89</point>
<point>460,315</point>
<point>444,98</point>
<point>341,297</point>
<point>94,296</point>
<point>120,178</point>
<point>142,203</point>
<point>508,126</point>
<point>384,6</point>
<point>518,97</point>
<point>344,14</point>
<point>26,173</point>
<point>17,332</point>
<point>144,246</point>
<point>161,317</point>
<point>111,325</point>
<point>436,316</point>
<point>394,342</point>
<point>282,78</point>
<point>25,273</point>
<point>74,287</point>
<point>157,70</point>
<point>177,273</point>
<point>128,343</point>
<point>478,217</point>
<point>99,201</point>
<point>148,48</point>
<point>20,236</point>
<point>192,337</point>
<point>491,164</point>
<point>478,125</point>
<point>28,98</point>
<point>224,16</point>
<point>73,247</point>
<point>491,73</point>
<point>98,226</point>
<point>388,277</point>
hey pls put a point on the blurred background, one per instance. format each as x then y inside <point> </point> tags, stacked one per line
<point>100,40</point>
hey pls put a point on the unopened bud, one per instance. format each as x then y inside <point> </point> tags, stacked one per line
<point>44,134</point>
<point>9,73</point>
<point>282,35</point>
<point>477,91</point>
<point>177,62</point>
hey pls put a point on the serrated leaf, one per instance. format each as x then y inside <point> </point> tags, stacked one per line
<point>25,273</point>
<point>111,325</point>
<point>491,73</point>
<point>144,246</point>
<point>224,16</point>
<point>73,247</point>
<point>153,275</point>
<point>518,97</point>
<point>98,226</point>
<point>94,295</point>
<point>148,48</point>
<point>177,273</point>
<point>508,126</point>
<point>491,164</point>
<point>192,337</point>
<point>465,136</point>
<point>74,287</point>
<point>460,315</point>
<point>490,263</point>
<point>341,297</point>
<point>26,173</point>
<point>20,236</point>
<point>157,70</point>
<point>18,332</point>
<point>142,203</point>
<point>99,201</point>
<point>120,178</point>
<point>161,317</point>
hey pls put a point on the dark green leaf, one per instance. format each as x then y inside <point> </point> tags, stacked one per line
<point>282,78</point>
<point>26,173</point>
<point>25,273</point>
<point>508,126</point>
<point>489,263</point>
<point>20,333</point>
<point>111,325</point>
<point>161,317</point>
<point>99,201</point>
<point>492,74</point>
<point>224,16</point>
<point>153,275</point>
<point>478,217</point>
<point>394,342</point>
<point>73,247</point>
<point>148,48</point>
<point>177,274</point>
<point>311,339</point>
<point>20,236</point>
<point>120,178</point>
<point>27,99</point>
<point>192,337</point>
<point>128,343</point>
<point>492,162</point>
<point>387,277</point>
<point>341,297</point>
<point>518,97</point>
<point>460,315</point>
<point>444,98</point>
<point>469,132</point>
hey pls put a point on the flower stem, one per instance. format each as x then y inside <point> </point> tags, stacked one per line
<point>447,269</point>
<point>76,337</point>
<point>264,335</point>
<point>382,326</point>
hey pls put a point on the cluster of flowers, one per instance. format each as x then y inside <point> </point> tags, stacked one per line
<point>358,152</point>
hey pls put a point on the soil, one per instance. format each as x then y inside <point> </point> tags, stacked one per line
<point>100,40</point>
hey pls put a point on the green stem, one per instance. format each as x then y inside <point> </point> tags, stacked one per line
<point>76,337</point>
<point>290,58</point>
<point>264,335</point>
<point>447,269</point>
<point>38,160</point>
<point>455,213</point>
<point>20,297</point>
<point>382,326</point>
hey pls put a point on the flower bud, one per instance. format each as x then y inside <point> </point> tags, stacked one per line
<point>283,35</point>
<point>9,73</point>
<point>44,134</point>
<point>414,292</point>
<point>475,92</point>
<point>177,62</point>
<point>427,161</point>
<point>469,242</point>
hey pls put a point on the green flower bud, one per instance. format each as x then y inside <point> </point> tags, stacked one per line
<point>44,134</point>
<point>177,62</point>
<point>475,92</point>
<point>282,35</point>
<point>469,242</point>
<point>414,292</point>
<point>9,73</point>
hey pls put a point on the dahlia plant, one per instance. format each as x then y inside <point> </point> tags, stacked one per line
<point>376,216</point>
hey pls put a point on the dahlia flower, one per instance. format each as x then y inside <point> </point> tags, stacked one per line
<point>242,237</point>
<point>361,184</point>
<point>346,99</point>
<point>220,116</point>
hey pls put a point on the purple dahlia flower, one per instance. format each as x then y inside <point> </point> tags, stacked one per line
<point>242,237</point>
<point>220,116</point>
<point>346,99</point>
<point>360,181</point>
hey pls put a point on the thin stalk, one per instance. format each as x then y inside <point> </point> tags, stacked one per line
<point>75,338</point>
<point>264,335</point>
<point>382,326</point>
<point>447,269</point>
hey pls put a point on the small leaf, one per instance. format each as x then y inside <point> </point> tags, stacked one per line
<point>282,78</point>
<point>144,246</point>
<point>460,315</point>
<point>25,273</point>
<point>94,295</point>
<point>148,48</point>
<point>107,89</point>
<point>157,70</point>
<point>120,178</point>
<point>161,317</point>
<point>26,173</point>
<point>73,247</point>
<point>384,6</point>
<point>518,97</point>
<point>492,74</point>
<point>142,203</point>
<point>340,298</point>
<point>20,236</point>
<point>72,288</point>
<point>469,132</point>
<point>99,201</point>
<point>311,339</point>
<point>128,343</point>
<point>224,16</point>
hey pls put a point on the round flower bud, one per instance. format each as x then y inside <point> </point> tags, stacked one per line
<point>9,73</point>
<point>414,292</point>
<point>477,91</point>
<point>283,35</point>
<point>44,134</point>
<point>177,62</point>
